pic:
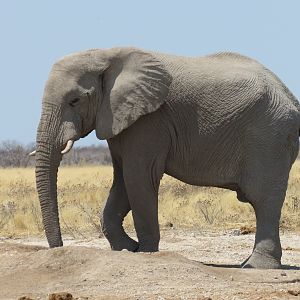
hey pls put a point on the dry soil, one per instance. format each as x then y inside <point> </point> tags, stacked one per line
<point>192,264</point>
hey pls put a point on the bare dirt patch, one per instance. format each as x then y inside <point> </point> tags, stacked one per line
<point>191,265</point>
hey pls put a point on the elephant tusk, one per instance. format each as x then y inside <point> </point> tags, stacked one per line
<point>33,153</point>
<point>68,147</point>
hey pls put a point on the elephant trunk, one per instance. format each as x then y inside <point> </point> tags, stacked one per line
<point>48,157</point>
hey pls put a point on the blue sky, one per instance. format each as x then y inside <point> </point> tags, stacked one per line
<point>36,33</point>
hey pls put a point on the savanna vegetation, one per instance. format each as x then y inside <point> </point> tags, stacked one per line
<point>82,191</point>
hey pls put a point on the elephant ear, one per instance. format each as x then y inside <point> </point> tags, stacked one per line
<point>135,83</point>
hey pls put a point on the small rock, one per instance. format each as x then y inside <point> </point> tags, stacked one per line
<point>231,278</point>
<point>294,293</point>
<point>169,224</point>
<point>25,298</point>
<point>61,296</point>
<point>236,232</point>
<point>283,273</point>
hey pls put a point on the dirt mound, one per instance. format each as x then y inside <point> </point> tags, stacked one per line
<point>91,273</point>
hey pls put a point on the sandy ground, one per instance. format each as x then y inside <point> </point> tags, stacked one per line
<point>192,264</point>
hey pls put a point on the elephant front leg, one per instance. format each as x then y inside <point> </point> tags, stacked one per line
<point>142,189</point>
<point>114,212</point>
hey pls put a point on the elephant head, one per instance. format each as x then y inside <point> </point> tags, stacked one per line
<point>106,90</point>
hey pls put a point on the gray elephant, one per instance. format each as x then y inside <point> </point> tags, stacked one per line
<point>221,120</point>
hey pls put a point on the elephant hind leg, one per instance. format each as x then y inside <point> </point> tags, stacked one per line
<point>267,248</point>
<point>265,184</point>
<point>116,208</point>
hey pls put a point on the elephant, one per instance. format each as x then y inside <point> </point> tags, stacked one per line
<point>221,120</point>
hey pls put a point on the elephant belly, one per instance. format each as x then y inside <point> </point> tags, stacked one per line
<point>202,178</point>
<point>217,166</point>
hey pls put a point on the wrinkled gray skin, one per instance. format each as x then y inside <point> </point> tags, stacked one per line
<point>221,120</point>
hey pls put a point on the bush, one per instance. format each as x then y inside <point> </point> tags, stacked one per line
<point>15,155</point>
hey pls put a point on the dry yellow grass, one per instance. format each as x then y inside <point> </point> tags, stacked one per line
<point>83,191</point>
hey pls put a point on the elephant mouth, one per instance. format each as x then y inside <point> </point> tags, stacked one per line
<point>70,143</point>
<point>87,133</point>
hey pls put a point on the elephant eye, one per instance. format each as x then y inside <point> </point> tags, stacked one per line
<point>74,101</point>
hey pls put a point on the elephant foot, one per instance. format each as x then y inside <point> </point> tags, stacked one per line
<point>259,260</point>
<point>125,244</point>
<point>147,248</point>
